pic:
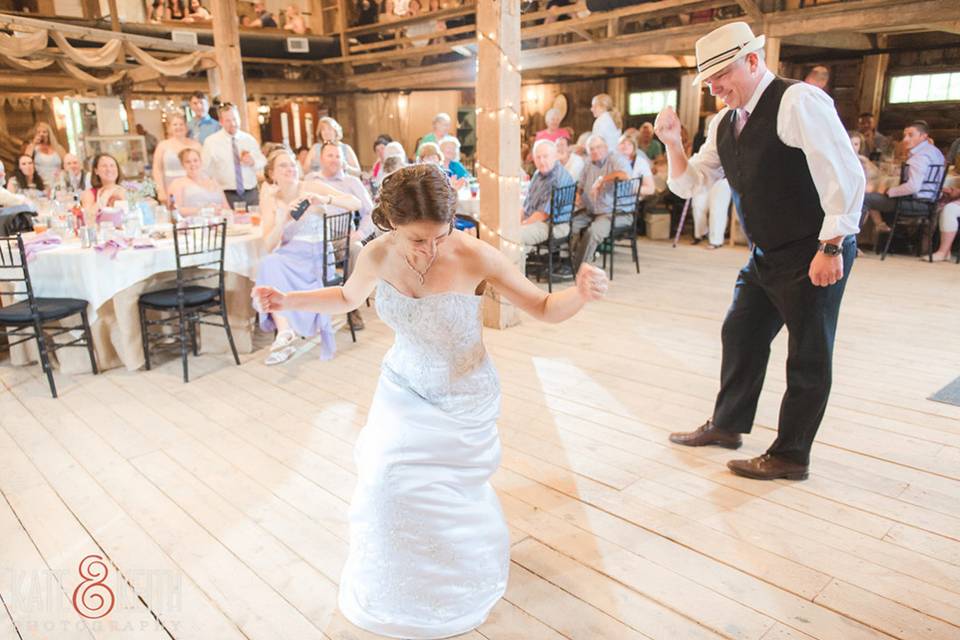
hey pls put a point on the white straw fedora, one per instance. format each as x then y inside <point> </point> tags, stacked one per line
<point>724,46</point>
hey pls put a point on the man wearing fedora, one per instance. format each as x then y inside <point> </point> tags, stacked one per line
<point>798,189</point>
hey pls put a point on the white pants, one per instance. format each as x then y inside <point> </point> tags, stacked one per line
<point>950,217</point>
<point>536,232</point>
<point>716,200</point>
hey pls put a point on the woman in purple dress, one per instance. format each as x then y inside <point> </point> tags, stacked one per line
<point>296,251</point>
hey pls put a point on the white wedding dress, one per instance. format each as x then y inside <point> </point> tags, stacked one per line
<point>429,547</point>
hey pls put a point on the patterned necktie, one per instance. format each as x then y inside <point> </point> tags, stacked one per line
<point>742,116</point>
<point>237,167</point>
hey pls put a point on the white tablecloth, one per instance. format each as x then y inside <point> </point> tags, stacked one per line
<point>113,286</point>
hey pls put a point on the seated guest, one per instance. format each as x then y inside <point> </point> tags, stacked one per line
<point>870,170</point>
<point>875,144</point>
<point>264,18</point>
<point>329,130</point>
<point>916,140</point>
<point>595,197</point>
<point>294,21</point>
<point>296,251</point>
<point>331,174</point>
<point>25,177</point>
<point>441,127</point>
<point>197,13</point>
<point>303,159</point>
<point>105,190</point>
<point>379,148</point>
<point>72,179</point>
<point>429,152</point>
<point>196,190</point>
<point>952,154</point>
<point>571,161</point>
<point>450,148</point>
<point>650,146</point>
<point>949,223</point>
<point>230,154</point>
<point>536,209</point>
<point>640,164</point>
<point>553,131</point>
<point>7,198</point>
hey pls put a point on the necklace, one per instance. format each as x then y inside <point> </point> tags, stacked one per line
<point>421,274</point>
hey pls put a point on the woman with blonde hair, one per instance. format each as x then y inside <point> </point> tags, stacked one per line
<point>196,191</point>
<point>608,122</point>
<point>329,130</point>
<point>166,158</point>
<point>46,152</point>
<point>296,250</point>
<point>293,20</point>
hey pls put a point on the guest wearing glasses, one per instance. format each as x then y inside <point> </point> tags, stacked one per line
<point>233,158</point>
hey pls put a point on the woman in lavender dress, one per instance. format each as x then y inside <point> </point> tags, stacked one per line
<point>297,254</point>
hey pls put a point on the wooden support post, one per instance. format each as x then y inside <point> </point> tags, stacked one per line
<point>772,54</point>
<point>342,24</point>
<point>114,15</point>
<point>617,90</point>
<point>226,42</point>
<point>688,103</point>
<point>872,76</point>
<point>498,139</point>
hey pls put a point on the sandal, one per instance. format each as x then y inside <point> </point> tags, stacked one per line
<point>281,356</point>
<point>284,339</point>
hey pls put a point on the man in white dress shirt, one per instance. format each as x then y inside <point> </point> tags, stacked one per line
<point>232,157</point>
<point>798,188</point>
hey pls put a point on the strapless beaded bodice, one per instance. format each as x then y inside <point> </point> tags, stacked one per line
<point>438,352</point>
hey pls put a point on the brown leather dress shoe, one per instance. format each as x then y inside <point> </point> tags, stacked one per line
<point>706,435</point>
<point>768,467</point>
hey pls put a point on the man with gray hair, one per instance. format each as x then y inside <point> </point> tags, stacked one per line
<point>442,124</point>
<point>595,198</point>
<point>536,210</point>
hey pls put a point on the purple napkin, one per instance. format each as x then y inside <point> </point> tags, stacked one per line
<point>43,242</point>
<point>111,247</point>
<point>143,243</point>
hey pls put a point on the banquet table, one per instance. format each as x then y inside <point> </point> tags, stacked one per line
<point>113,285</point>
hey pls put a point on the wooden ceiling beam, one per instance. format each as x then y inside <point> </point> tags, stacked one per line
<point>859,15</point>
<point>89,34</point>
<point>751,9</point>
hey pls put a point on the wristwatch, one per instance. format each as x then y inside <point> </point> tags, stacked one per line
<point>829,249</point>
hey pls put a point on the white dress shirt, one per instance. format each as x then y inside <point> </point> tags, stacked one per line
<point>807,120</point>
<point>218,159</point>
<point>921,157</point>
<point>606,128</point>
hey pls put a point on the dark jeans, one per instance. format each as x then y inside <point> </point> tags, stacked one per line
<point>774,289</point>
<point>250,196</point>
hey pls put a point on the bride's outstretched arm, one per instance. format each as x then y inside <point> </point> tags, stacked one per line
<point>330,300</point>
<point>552,307</point>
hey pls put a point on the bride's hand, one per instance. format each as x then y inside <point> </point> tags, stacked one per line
<point>268,299</point>
<point>591,282</point>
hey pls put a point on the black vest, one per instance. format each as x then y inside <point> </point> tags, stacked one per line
<point>775,196</point>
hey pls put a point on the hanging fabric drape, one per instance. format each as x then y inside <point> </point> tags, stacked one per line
<point>15,52</point>
<point>97,58</point>
<point>23,64</point>
<point>85,77</point>
<point>173,67</point>
<point>20,46</point>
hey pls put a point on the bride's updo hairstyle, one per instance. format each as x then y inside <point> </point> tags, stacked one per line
<point>415,193</point>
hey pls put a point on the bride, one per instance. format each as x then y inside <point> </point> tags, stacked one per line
<point>429,548</point>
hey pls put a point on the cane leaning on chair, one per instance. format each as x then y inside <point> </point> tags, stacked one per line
<point>30,319</point>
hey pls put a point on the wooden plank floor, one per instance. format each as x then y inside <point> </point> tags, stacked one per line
<point>220,506</point>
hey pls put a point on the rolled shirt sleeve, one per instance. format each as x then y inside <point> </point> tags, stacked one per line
<point>808,121</point>
<point>704,168</point>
